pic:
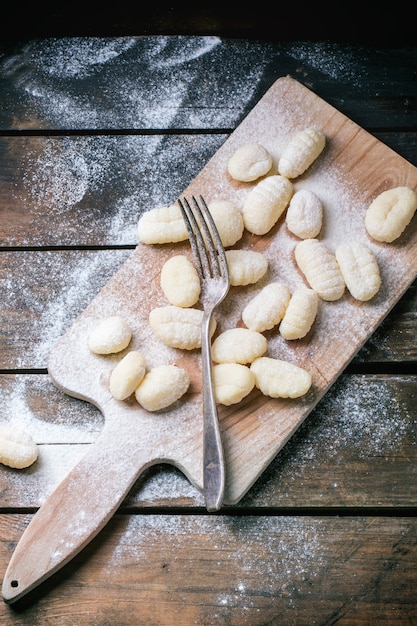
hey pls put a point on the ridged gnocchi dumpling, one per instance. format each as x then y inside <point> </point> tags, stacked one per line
<point>300,314</point>
<point>17,447</point>
<point>360,269</point>
<point>249,162</point>
<point>301,152</point>
<point>178,327</point>
<point>304,215</point>
<point>127,375</point>
<point>265,204</point>
<point>180,281</point>
<point>162,386</point>
<point>238,345</point>
<point>232,382</point>
<point>245,266</point>
<point>266,309</point>
<point>111,335</point>
<point>228,220</point>
<point>320,268</point>
<point>390,213</point>
<point>280,379</point>
<point>162,225</point>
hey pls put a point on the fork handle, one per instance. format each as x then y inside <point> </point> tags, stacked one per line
<point>213,460</point>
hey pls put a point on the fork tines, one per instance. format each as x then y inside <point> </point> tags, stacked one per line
<point>204,238</point>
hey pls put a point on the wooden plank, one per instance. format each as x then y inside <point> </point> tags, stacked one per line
<point>357,448</point>
<point>44,292</point>
<point>174,569</point>
<point>84,191</point>
<point>81,191</point>
<point>41,302</point>
<point>374,87</point>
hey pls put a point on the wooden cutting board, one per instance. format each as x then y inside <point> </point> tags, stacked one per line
<point>352,170</point>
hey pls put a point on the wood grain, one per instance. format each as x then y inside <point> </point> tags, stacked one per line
<point>171,570</point>
<point>42,302</point>
<point>357,448</point>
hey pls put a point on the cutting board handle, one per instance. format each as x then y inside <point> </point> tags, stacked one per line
<point>76,511</point>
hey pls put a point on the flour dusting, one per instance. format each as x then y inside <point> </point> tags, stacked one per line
<point>159,78</point>
<point>334,60</point>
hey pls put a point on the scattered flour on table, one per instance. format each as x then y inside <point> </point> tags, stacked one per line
<point>359,414</point>
<point>292,549</point>
<point>334,60</point>
<point>57,71</point>
<point>70,180</point>
<point>366,415</point>
<point>81,276</point>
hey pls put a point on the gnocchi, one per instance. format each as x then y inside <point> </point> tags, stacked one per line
<point>238,345</point>
<point>267,308</point>
<point>180,281</point>
<point>390,213</point>
<point>360,270</point>
<point>304,214</point>
<point>301,152</point>
<point>280,379</point>
<point>162,386</point>
<point>232,382</point>
<point>228,220</point>
<point>162,225</point>
<point>265,204</point>
<point>321,269</point>
<point>127,375</point>
<point>178,327</point>
<point>300,314</point>
<point>17,447</point>
<point>111,335</point>
<point>249,162</point>
<point>245,266</point>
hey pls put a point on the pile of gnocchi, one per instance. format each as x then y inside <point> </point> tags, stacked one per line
<point>240,360</point>
<point>240,354</point>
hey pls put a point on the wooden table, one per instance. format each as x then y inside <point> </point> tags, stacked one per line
<point>93,132</point>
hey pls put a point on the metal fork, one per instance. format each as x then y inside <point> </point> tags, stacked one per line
<point>212,268</point>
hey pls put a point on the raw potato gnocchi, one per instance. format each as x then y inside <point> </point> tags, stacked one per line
<point>238,345</point>
<point>228,220</point>
<point>111,335</point>
<point>267,308</point>
<point>17,448</point>
<point>280,379</point>
<point>304,216</point>
<point>162,225</point>
<point>161,387</point>
<point>249,162</point>
<point>180,281</point>
<point>127,375</point>
<point>360,270</point>
<point>232,382</point>
<point>300,314</point>
<point>321,269</point>
<point>301,152</point>
<point>390,213</point>
<point>245,266</point>
<point>265,204</point>
<point>178,327</point>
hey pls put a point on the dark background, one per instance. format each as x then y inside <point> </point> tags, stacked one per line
<point>363,23</point>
